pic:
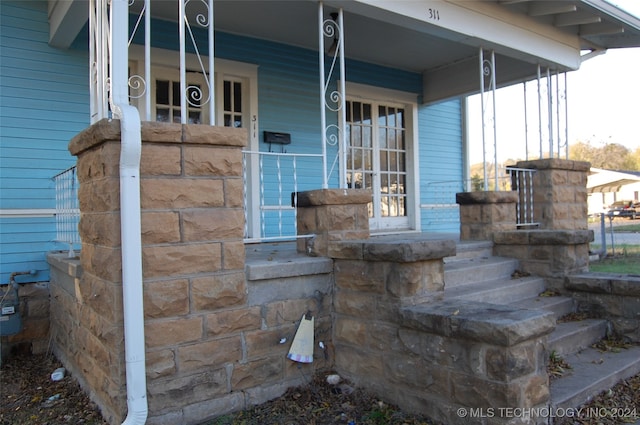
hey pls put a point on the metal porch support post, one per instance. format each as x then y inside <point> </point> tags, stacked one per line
<point>484,143</point>
<point>566,117</point>
<point>335,101</point>
<point>323,115</point>
<point>343,104</point>
<point>147,58</point>
<point>539,111</point>
<point>495,126</point>
<point>487,68</point>
<point>550,111</point>
<point>526,123</point>
<point>183,69</point>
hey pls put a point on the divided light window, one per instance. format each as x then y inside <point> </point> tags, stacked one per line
<point>232,94</point>
<point>168,102</point>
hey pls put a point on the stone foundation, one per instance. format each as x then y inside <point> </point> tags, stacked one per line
<point>33,308</point>
<point>612,297</point>
<point>552,254</point>
<point>212,336</point>
<point>395,336</point>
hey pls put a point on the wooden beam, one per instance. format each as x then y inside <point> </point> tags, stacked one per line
<point>568,19</point>
<point>549,8</point>
<point>600,29</point>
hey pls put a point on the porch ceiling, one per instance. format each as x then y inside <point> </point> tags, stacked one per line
<point>401,34</point>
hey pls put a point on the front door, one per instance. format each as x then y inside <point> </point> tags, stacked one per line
<point>376,159</point>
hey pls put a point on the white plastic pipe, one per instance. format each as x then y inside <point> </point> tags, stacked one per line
<point>130,228</point>
<point>132,266</point>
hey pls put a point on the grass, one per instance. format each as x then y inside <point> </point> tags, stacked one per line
<point>625,261</point>
<point>627,228</point>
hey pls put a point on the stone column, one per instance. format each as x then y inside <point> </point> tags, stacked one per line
<point>331,215</point>
<point>193,266</point>
<point>482,214</point>
<point>560,193</point>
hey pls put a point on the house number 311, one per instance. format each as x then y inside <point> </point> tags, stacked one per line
<point>433,14</point>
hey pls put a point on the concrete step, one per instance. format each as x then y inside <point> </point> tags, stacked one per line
<point>471,249</point>
<point>558,305</point>
<point>591,373</point>
<point>474,270</point>
<point>500,291</point>
<point>570,337</point>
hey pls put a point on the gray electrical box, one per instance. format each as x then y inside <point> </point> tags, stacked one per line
<point>10,321</point>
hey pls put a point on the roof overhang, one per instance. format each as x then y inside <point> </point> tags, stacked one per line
<point>440,39</point>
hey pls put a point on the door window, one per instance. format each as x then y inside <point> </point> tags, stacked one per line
<point>376,160</point>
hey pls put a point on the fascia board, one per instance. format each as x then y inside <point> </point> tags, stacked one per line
<point>478,23</point>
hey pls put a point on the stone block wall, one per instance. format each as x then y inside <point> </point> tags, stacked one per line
<point>612,297</point>
<point>395,335</point>
<point>552,254</point>
<point>559,193</point>
<point>328,215</point>
<point>33,308</point>
<point>212,338</point>
<point>484,213</point>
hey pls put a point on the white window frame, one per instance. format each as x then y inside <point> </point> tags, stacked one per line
<point>247,73</point>
<point>388,97</point>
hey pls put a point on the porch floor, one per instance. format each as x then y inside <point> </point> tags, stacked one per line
<point>270,260</point>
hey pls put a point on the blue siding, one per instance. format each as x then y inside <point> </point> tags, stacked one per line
<point>44,103</point>
<point>441,162</point>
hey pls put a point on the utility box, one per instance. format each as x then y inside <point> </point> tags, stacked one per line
<point>10,320</point>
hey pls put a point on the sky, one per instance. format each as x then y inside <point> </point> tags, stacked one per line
<point>603,103</point>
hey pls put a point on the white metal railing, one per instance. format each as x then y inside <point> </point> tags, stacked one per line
<point>67,209</point>
<point>194,32</point>
<point>440,207</point>
<point>522,182</point>
<point>271,183</point>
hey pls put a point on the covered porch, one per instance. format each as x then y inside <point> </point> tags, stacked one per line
<point>441,51</point>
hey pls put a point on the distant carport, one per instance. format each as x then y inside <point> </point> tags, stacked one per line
<point>605,181</point>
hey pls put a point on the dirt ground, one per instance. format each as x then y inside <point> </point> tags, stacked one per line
<point>30,397</point>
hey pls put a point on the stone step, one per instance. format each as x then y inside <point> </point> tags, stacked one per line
<point>471,249</point>
<point>500,291</point>
<point>570,337</point>
<point>592,372</point>
<point>558,305</point>
<point>474,270</point>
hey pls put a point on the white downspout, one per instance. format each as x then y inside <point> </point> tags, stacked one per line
<point>130,228</point>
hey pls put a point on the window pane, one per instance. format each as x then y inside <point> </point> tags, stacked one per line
<point>391,139</point>
<point>393,165</point>
<point>357,115</point>
<point>392,117</point>
<point>366,113</point>
<point>176,116</point>
<point>227,120</point>
<point>162,92</point>
<point>382,138</point>
<point>356,136</point>
<point>194,117</point>
<point>366,137</point>
<point>237,97</point>
<point>227,97</point>
<point>382,115</point>
<point>176,94</point>
<point>383,161</point>
<point>237,123</point>
<point>162,115</point>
